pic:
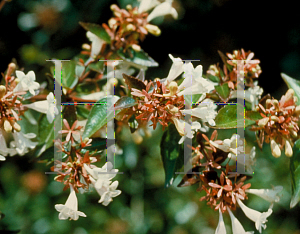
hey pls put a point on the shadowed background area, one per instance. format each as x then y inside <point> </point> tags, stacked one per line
<point>34,31</point>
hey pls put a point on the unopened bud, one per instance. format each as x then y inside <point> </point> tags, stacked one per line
<point>153,29</point>
<point>297,110</point>
<point>294,133</point>
<point>86,140</point>
<point>69,164</point>
<point>275,149</point>
<point>268,103</point>
<point>173,88</point>
<point>263,122</point>
<point>16,81</point>
<point>7,126</point>
<point>114,7</point>
<point>11,69</point>
<point>274,118</point>
<point>157,79</point>
<point>276,104</point>
<point>172,109</point>
<point>2,91</point>
<point>86,46</point>
<point>136,47</point>
<point>128,7</point>
<point>112,22</point>
<point>288,149</point>
<point>130,27</point>
<point>17,127</point>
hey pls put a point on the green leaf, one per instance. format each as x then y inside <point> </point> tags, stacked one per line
<point>69,77</point>
<point>138,57</point>
<point>223,92</point>
<point>213,78</point>
<point>69,113</point>
<point>292,84</point>
<point>295,174</point>
<point>97,30</point>
<point>170,152</point>
<point>97,144</point>
<point>124,102</point>
<point>253,115</point>
<point>99,115</point>
<point>82,111</point>
<point>46,135</point>
<point>97,66</point>
<point>227,118</point>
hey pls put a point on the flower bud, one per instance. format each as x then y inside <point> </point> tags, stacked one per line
<point>128,7</point>
<point>17,127</point>
<point>275,149</point>
<point>7,126</point>
<point>136,47</point>
<point>268,103</point>
<point>297,110</point>
<point>274,118</point>
<point>263,122</point>
<point>172,109</point>
<point>86,140</point>
<point>86,46</point>
<point>276,104</point>
<point>294,133</point>
<point>153,29</point>
<point>2,91</point>
<point>112,22</point>
<point>288,149</point>
<point>173,88</point>
<point>130,27</point>
<point>11,69</point>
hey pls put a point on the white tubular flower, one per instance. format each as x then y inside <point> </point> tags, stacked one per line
<point>237,227</point>
<point>288,149</point>
<point>233,145</point>
<point>147,5</point>
<point>162,9</point>
<point>22,142</point>
<point>47,107</point>
<point>176,69</point>
<point>257,217</point>
<point>104,173</point>
<point>2,158</point>
<point>194,83</point>
<point>107,196</point>
<point>4,150</point>
<point>204,111</point>
<point>194,128</point>
<point>26,82</point>
<point>70,209</point>
<point>250,160</point>
<point>221,225</point>
<point>270,195</point>
<point>97,44</point>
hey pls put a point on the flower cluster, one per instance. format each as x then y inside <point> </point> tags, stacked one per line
<point>279,123</point>
<point>78,172</point>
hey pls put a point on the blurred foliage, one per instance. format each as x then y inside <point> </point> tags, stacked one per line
<point>33,31</point>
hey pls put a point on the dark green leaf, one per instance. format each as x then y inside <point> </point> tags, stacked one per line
<point>46,135</point>
<point>69,113</point>
<point>223,92</point>
<point>97,144</point>
<point>97,66</point>
<point>213,78</point>
<point>295,174</point>
<point>170,152</point>
<point>253,115</point>
<point>99,115</point>
<point>133,82</point>
<point>97,30</point>
<point>124,102</point>
<point>82,111</point>
<point>140,57</point>
<point>292,84</point>
<point>69,77</point>
<point>227,118</point>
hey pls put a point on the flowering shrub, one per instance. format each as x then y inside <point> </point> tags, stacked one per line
<point>190,105</point>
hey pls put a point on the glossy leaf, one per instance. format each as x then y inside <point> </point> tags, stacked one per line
<point>253,115</point>
<point>97,30</point>
<point>124,102</point>
<point>133,82</point>
<point>45,134</point>
<point>223,92</point>
<point>227,118</point>
<point>69,77</point>
<point>170,152</point>
<point>292,84</point>
<point>295,174</point>
<point>99,115</point>
<point>138,57</point>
